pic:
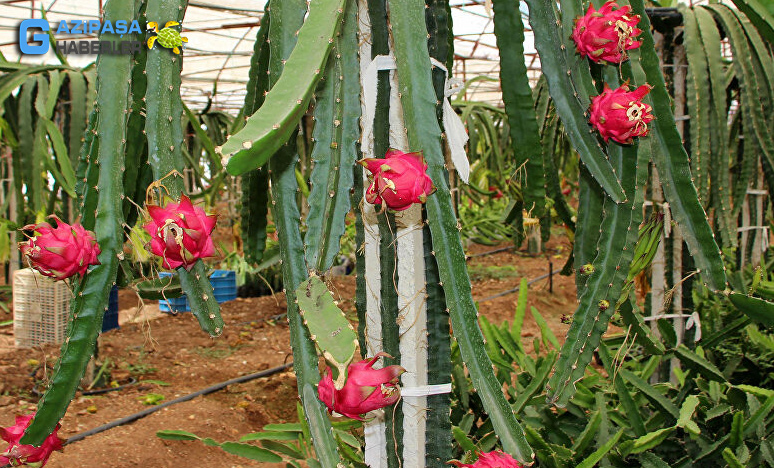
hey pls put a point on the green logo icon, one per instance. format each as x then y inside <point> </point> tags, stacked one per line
<point>168,37</point>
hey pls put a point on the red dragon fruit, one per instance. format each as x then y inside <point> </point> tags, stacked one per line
<point>366,388</point>
<point>620,114</point>
<point>180,233</point>
<point>62,251</point>
<point>399,180</point>
<point>605,35</point>
<point>17,454</point>
<point>493,459</point>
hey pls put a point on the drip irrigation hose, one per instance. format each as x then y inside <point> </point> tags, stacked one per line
<point>516,289</point>
<point>190,396</point>
<point>490,252</point>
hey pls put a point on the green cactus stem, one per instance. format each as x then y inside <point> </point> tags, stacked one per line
<point>517,97</point>
<point>418,98</point>
<point>698,106</point>
<point>138,174</point>
<point>671,160</point>
<point>255,184</point>
<point>336,131</point>
<point>602,286</point>
<point>91,294</point>
<point>267,130</point>
<point>287,17</point>
<point>438,431</point>
<point>328,326</point>
<point>164,131</point>
<point>87,174</point>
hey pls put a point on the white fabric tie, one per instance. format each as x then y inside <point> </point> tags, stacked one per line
<point>693,319</point>
<point>456,135</point>
<point>425,390</point>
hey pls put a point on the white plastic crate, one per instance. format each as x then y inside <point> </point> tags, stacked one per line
<point>41,307</point>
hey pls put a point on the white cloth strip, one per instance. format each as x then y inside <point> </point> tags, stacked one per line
<point>693,319</point>
<point>764,237</point>
<point>757,192</point>
<point>456,135</point>
<point>425,390</point>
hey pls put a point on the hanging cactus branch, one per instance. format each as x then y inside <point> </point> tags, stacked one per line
<point>270,127</point>
<point>287,16</point>
<point>328,326</point>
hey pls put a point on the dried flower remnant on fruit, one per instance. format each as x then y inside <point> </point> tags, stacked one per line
<point>180,233</point>
<point>620,114</point>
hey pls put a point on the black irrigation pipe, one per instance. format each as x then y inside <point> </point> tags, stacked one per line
<point>516,289</point>
<point>490,252</point>
<point>205,391</point>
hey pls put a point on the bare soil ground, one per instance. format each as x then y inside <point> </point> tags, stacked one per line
<point>172,350</point>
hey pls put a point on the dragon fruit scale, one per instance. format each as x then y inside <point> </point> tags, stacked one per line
<point>620,114</point>
<point>606,34</point>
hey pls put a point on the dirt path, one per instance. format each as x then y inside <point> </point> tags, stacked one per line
<point>172,353</point>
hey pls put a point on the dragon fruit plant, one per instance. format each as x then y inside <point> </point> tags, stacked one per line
<point>130,140</point>
<point>378,76</point>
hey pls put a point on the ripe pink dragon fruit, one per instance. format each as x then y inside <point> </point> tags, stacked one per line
<point>620,114</point>
<point>62,251</point>
<point>399,180</point>
<point>17,454</point>
<point>493,459</point>
<point>180,233</point>
<point>606,35</point>
<point>366,388</point>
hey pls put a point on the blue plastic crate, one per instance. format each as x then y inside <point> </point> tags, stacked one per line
<point>110,320</point>
<point>224,289</point>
